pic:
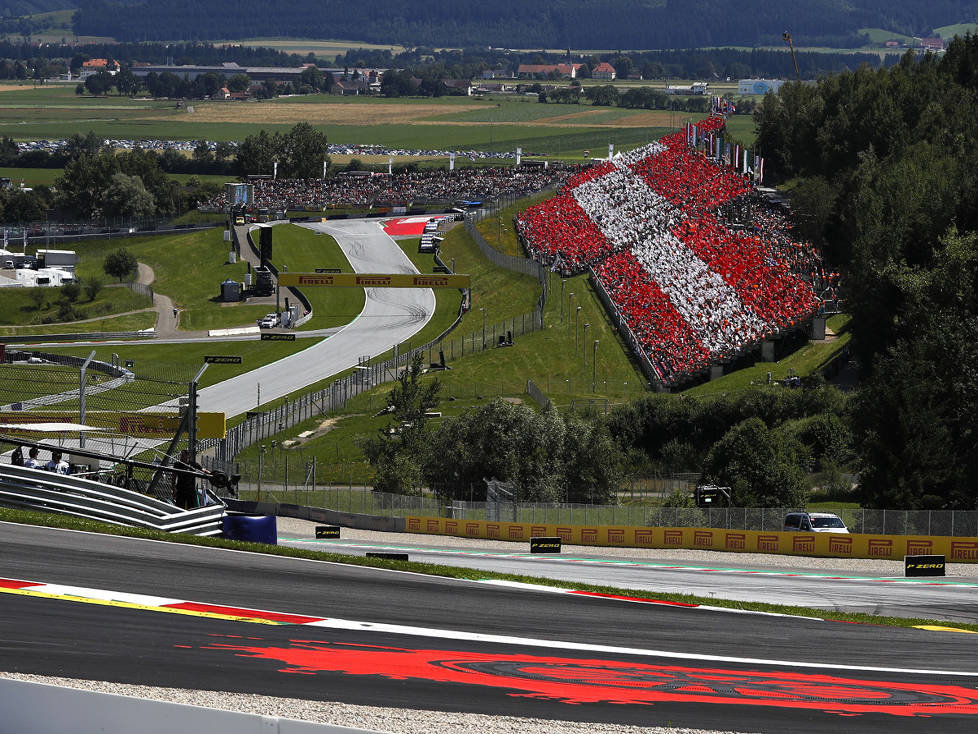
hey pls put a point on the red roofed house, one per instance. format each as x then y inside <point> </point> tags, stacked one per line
<point>604,70</point>
<point>932,44</point>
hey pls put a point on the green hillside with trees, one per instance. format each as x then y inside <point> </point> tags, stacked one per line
<point>883,167</point>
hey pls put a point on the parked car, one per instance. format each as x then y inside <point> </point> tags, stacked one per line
<point>814,522</point>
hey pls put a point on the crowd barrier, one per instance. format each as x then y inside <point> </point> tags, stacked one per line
<point>826,545</point>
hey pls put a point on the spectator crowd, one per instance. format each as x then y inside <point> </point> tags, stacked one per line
<point>404,189</point>
<point>694,289</point>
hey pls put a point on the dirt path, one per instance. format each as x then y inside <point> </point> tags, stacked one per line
<point>167,315</point>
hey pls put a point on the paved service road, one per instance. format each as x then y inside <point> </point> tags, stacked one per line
<point>952,599</point>
<point>389,316</point>
<point>386,638</point>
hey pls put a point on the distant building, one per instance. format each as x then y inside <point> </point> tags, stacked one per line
<point>542,71</point>
<point>458,86</point>
<point>932,44</point>
<point>604,70</point>
<point>759,86</point>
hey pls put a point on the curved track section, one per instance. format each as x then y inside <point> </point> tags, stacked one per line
<point>389,316</point>
<point>160,614</point>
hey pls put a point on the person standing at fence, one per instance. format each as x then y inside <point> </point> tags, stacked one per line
<point>185,484</point>
<point>17,456</point>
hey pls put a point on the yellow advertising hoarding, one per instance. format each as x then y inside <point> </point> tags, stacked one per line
<point>828,545</point>
<point>139,425</point>
<point>375,280</point>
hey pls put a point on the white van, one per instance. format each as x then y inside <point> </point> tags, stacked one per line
<point>814,522</point>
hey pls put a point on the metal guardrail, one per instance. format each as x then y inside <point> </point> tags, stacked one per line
<point>78,336</point>
<point>38,489</point>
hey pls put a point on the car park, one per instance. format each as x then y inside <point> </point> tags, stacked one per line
<point>814,522</point>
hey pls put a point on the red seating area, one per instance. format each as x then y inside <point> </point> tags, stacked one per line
<point>764,285</point>
<point>671,345</point>
<point>559,226</point>
<point>765,268</point>
<point>687,179</point>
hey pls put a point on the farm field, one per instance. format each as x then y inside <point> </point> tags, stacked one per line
<point>452,122</point>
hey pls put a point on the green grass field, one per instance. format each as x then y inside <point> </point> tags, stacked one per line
<point>17,309</point>
<point>302,250</point>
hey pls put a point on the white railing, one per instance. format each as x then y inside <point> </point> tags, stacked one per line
<point>37,489</point>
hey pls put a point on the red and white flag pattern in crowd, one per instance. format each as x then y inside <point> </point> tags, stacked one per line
<point>692,291</point>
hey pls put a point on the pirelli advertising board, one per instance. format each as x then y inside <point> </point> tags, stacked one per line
<point>828,545</point>
<point>374,280</point>
<point>139,425</point>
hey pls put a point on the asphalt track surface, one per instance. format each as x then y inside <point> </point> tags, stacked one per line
<point>389,316</point>
<point>397,639</point>
<point>952,599</point>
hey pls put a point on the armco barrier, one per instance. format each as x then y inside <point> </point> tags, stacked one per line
<point>38,708</point>
<point>826,545</point>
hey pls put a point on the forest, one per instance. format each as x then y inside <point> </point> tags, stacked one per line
<point>640,24</point>
<point>883,172</point>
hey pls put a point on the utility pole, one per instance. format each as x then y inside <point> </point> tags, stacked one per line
<point>787,39</point>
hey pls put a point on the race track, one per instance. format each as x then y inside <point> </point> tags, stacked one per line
<point>394,639</point>
<point>389,316</point>
<point>953,599</point>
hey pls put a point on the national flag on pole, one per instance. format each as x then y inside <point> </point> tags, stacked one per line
<point>324,168</point>
<point>611,150</point>
<point>390,166</point>
<point>275,169</point>
<point>6,240</point>
<point>519,155</point>
<point>451,161</point>
<point>760,172</point>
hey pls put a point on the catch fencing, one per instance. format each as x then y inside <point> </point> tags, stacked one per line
<point>363,500</point>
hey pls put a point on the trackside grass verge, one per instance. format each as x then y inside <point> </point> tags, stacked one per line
<point>430,569</point>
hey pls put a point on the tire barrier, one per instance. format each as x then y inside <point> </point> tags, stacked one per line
<point>251,528</point>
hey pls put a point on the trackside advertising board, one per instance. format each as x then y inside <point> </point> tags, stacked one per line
<point>375,280</point>
<point>827,545</point>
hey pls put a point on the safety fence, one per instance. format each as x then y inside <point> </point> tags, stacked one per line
<point>452,504</point>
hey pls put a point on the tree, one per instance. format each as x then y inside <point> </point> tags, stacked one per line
<point>120,264</point>
<point>762,466</point>
<point>303,152</point>
<point>36,296</point>
<point>126,196</point>
<point>70,291</point>
<point>93,286</point>
<point>398,450</point>
<point>548,457</point>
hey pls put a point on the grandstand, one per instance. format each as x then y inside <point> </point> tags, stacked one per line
<point>690,287</point>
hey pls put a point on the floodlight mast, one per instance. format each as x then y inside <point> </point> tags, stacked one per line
<point>787,39</point>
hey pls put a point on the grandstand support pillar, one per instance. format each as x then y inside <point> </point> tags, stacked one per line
<point>767,351</point>
<point>716,371</point>
<point>818,328</point>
